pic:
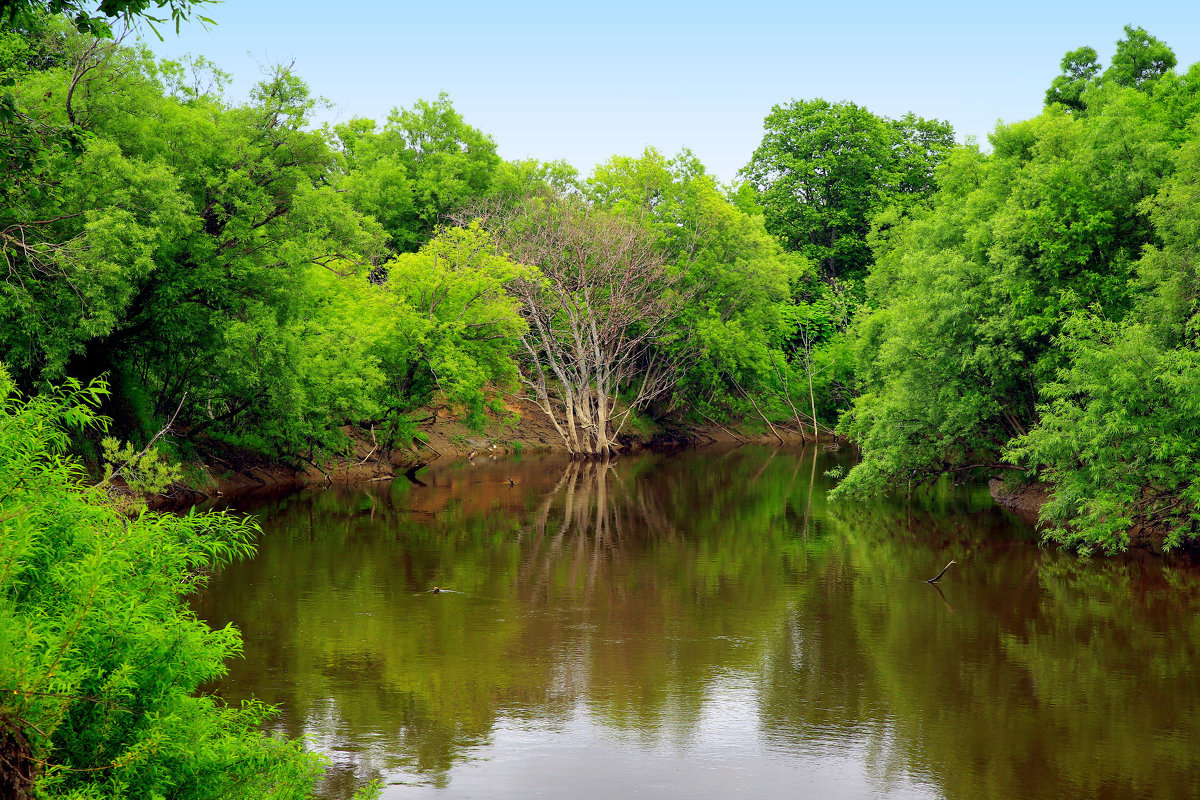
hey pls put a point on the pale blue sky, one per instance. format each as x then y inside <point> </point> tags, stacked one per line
<point>585,82</point>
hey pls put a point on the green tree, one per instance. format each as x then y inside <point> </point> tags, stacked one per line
<point>970,295</point>
<point>823,169</point>
<point>732,335</point>
<point>425,162</point>
<point>190,249</point>
<point>1119,425</point>
<point>454,326</point>
<point>1140,60</point>
<point>1079,68</point>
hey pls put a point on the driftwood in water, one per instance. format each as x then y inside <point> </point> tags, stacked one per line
<point>938,577</point>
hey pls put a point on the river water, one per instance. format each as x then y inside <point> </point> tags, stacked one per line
<point>707,625</point>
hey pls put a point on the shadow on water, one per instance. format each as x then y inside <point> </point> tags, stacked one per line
<point>694,625</point>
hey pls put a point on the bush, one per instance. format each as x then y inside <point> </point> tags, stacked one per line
<point>100,657</point>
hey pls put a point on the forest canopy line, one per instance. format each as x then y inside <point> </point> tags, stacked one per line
<point>266,281</point>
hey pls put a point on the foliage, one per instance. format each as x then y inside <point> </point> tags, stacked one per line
<point>1079,68</point>
<point>184,246</point>
<point>823,169</point>
<point>1038,317</point>
<point>101,657</point>
<point>970,294</point>
<point>455,325</point>
<point>223,260</point>
<point>98,21</point>
<point>1140,60</point>
<point>735,337</point>
<point>1120,425</point>
<point>425,162</point>
<point>142,473</point>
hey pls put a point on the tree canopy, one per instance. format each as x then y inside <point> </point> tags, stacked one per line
<point>1031,320</point>
<point>1140,60</point>
<point>95,19</point>
<point>824,169</point>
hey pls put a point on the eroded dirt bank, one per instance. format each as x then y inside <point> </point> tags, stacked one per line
<point>1026,501</point>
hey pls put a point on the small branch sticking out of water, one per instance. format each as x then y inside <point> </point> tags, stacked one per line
<point>938,577</point>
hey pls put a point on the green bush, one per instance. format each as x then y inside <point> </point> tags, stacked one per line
<point>100,657</point>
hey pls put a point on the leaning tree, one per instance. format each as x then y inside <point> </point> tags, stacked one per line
<point>597,307</point>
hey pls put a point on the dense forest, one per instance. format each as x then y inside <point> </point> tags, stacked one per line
<point>257,281</point>
<point>264,283</point>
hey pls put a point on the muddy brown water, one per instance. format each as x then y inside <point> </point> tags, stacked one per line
<point>707,625</point>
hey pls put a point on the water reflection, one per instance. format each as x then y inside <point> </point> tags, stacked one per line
<point>701,625</point>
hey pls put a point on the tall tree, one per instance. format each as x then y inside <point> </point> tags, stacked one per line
<point>975,300</point>
<point>180,248</point>
<point>1119,435</point>
<point>423,163</point>
<point>1139,62</point>
<point>823,169</point>
<point>1140,59</point>
<point>1079,68</point>
<point>734,334</point>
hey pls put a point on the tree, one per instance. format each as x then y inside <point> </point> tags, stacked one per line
<point>1120,423</point>
<point>732,335</point>
<point>1079,68</point>
<point>191,247</point>
<point>453,326</point>
<point>597,306</point>
<point>424,163</point>
<point>823,169</point>
<point>920,146</point>
<point>98,21</point>
<point>1140,60</point>
<point>975,300</point>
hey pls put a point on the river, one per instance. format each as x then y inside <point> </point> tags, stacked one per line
<point>707,625</point>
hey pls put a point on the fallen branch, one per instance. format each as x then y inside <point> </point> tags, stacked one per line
<point>746,395</point>
<point>368,455</point>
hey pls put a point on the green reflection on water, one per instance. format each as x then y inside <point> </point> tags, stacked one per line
<point>631,593</point>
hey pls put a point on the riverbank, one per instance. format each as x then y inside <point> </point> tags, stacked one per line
<point>1025,501</point>
<point>521,427</point>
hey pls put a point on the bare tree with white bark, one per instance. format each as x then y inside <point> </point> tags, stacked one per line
<point>597,308</point>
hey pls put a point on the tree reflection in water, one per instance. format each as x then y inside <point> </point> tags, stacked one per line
<point>701,612</point>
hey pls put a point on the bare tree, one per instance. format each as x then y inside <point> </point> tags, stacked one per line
<point>596,309</point>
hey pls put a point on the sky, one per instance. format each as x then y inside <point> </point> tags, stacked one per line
<point>583,82</point>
